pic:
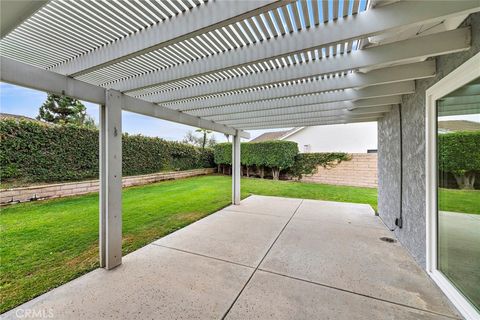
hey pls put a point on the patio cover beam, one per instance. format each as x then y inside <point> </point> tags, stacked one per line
<point>302,119</point>
<point>459,110</point>
<point>460,100</point>
<point>207,17</point>
<point>371,22</point>
<point>349,105</point>
<point>419,70</point>
<point>21,74</point>
<point>397,52</point>
<point>311,123</point>
<point>311,115</point>
<point>467,90</point>
<point>344,95</point>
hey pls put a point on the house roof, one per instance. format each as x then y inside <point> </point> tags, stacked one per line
<point>268,136</point>
<point>15,117</point>
<point>276,135</point>
<point>459,125</point>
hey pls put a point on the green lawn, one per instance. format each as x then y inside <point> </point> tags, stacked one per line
<point>466,201</point>
<point>47,243</point>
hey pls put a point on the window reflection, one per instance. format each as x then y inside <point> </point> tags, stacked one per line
<point>458,154</point>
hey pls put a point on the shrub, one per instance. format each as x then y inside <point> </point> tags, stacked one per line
<point>459,154</point>
<point>307,163</point>
<point>275,155</point>
<point>32,151</point>
<point>222,153</point>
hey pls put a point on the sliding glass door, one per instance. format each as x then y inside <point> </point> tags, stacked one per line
<point>458,190</point>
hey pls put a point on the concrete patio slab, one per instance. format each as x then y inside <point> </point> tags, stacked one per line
<point>238,237</point>
<point>357,214</point>
<point>276,206</point>
<point>324,263</point>
<point>152,283</point>
<point>353,258</point>
<point>271,296</point>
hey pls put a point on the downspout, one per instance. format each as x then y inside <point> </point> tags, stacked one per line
<point>399,220</point>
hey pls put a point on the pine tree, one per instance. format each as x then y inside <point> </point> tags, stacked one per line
<point>63,110</point>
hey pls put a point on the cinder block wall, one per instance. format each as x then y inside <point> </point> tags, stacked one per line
<point>413,234</point>
<point>360,171</point>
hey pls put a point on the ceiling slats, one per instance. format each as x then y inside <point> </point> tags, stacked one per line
<point>49,39</point>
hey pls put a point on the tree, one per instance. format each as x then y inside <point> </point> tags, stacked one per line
<point>62,110</point>
<point>211,142</point>
<point>202,141</point>
<point>89,122</point>
<point>276,155</point>
<point>205,133</point>
<point>192,139</point>
<point>459,154</point>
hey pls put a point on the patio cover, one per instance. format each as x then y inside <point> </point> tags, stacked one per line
<point>227,65</point>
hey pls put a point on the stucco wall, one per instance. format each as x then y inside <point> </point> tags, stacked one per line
<point>412,235</point>
<point>389,168</point>
<point>351,138</point>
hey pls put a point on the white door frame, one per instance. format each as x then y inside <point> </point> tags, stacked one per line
<point>467,72</point>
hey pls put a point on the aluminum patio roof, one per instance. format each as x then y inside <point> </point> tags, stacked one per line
<point>242,64</point>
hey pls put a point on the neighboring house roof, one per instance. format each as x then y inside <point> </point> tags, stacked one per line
<point>15,116</point>
<point>9,116</point>
<point>458,125</point>
<point>277,135</point>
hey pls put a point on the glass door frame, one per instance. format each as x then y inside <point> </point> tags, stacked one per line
<point>467,72</point>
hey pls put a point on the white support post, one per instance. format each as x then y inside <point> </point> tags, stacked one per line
<point>236,169</point>
<point>111,180</point>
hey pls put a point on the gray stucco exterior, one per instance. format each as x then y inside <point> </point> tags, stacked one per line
<point>413,233</point>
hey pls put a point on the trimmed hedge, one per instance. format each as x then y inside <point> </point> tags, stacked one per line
<point>277,156</point>
<point>32,151</point>
<point>222,153</point>
<point>459,154</point>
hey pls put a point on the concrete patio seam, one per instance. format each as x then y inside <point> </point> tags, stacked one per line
<point>255,213</point>
<point>202,255</point>
<point>263,258</point>
<point>356,293</point>
<point>340,223</point>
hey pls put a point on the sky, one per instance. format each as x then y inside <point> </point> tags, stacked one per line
<point>26,102</point>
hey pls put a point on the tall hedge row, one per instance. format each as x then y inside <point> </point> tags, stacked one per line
<point>459,154</point>
<point>32,151</point>
<point>277,156</point>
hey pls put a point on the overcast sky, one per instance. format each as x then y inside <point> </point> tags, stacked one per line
<point>26,102</point>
